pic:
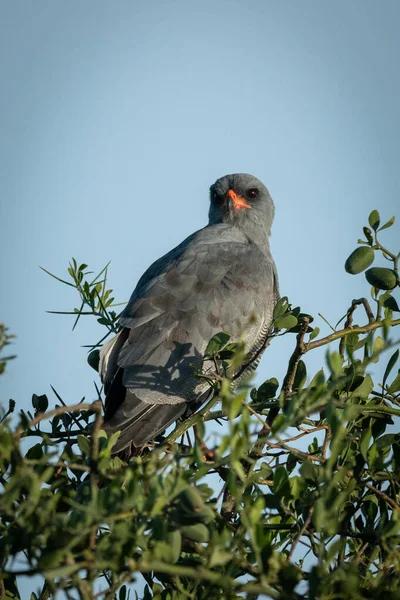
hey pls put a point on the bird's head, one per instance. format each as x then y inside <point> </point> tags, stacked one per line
<point>242,200</point>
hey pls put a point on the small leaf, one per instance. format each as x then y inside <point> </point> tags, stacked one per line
<point>359,260</point>
<point>367,233</point>
<point>240,472</point>
<point>381,278</point>
<point>300,376</point>
<point>93,359</point>
<point>388,224</point>
<point>364,442</point>
<point>84,445</point>
<point>364,388</point>
<point>286,322</point>
<point>122,593</point>
<point>197,532</point>
<point>281,483</point>
<point>374,220</point>
<point>378,347</point>
<point>217,342</point>
<point>392,361</point>
<point>267,390</point>
<point>35,452</point>
<point>314,334</point>
<point>280,307</point>
<point>334,362</point>
<point>192,498</point>
<point>219,558</point>
<point>174,539</point>
<point>40,403</point>
<point>395,385</point>
<point>113,440</point>
<point>391,303</point>
<point>309,471</point>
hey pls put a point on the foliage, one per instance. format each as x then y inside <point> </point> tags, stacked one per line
<point>5,340</point>
<point>300,504</point>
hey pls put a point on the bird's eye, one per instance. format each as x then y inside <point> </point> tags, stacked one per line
<point>216,198</point>
<point>252,193</point>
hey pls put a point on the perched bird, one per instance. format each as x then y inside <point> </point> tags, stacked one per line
<point>221,278</point>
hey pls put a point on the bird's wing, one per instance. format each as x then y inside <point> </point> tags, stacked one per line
<point>207,287</point>
<point>216,280</point>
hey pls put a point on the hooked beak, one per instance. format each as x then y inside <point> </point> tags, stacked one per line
<point>236,201</point>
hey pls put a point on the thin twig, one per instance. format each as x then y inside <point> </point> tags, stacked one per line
<point>294,360</point>
<point>306,432</point>
<point>94,407</point>
<point>382,495</point>
<point>349,319</point>
<point>301,532</point>
<point>57,395</point>
<point>337,335</point>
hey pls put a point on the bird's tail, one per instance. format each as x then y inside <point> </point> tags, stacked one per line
<point>146,423</point>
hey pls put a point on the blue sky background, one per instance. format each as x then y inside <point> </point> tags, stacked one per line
<point>116,117</point>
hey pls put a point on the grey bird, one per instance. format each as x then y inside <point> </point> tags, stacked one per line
<point>220,278</point>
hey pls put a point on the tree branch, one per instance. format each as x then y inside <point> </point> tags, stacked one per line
<point>337,335</point>
<point>349,320</point>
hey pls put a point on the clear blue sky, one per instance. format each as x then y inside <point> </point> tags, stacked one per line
<point>115,118</point>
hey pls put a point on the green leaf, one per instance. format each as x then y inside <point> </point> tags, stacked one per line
<point>314,334</point>
<point>192,498</point>
<point>174,540</point>
<point>334,362</point>
<point>197,532</point>
<point>300,376</point>
<point>388,224</point>
<point>318,379</point>
<point>359,260</point>
<point>280,307</point>
<point>238,467</point>
<point>84,445</point>
<point>286,322</point>
<point>364,442</point>
<point>219,558</point>
<point>57,278</point>
<point>267,390</point>
<point>217,342</point>
<point>381,278</point>
<point>364,389</point>
<point>351,341</point>
<point>113,440</point>
<point>93,359</point>
<point>281,483</point>
<point>392,361</point>
<point>35,452</point>
<point>395,385</point>
<point>40,403</point>
<point>123,593</point>
<point>391,303</point>
<point>367,233</point>
<point>279,423</point>
<point>374,220</point>
<point>237,405</point>
<point>309,471</point>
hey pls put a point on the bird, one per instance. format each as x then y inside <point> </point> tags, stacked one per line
<point>220,278</point>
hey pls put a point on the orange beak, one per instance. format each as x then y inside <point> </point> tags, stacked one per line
<point>238,201</point>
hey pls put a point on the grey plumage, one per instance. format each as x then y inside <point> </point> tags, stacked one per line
<point>221,278</point>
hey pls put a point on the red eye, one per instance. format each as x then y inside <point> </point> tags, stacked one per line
<point>252,193</point>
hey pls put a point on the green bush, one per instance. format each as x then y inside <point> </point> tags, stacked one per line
<point>298,497</point>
